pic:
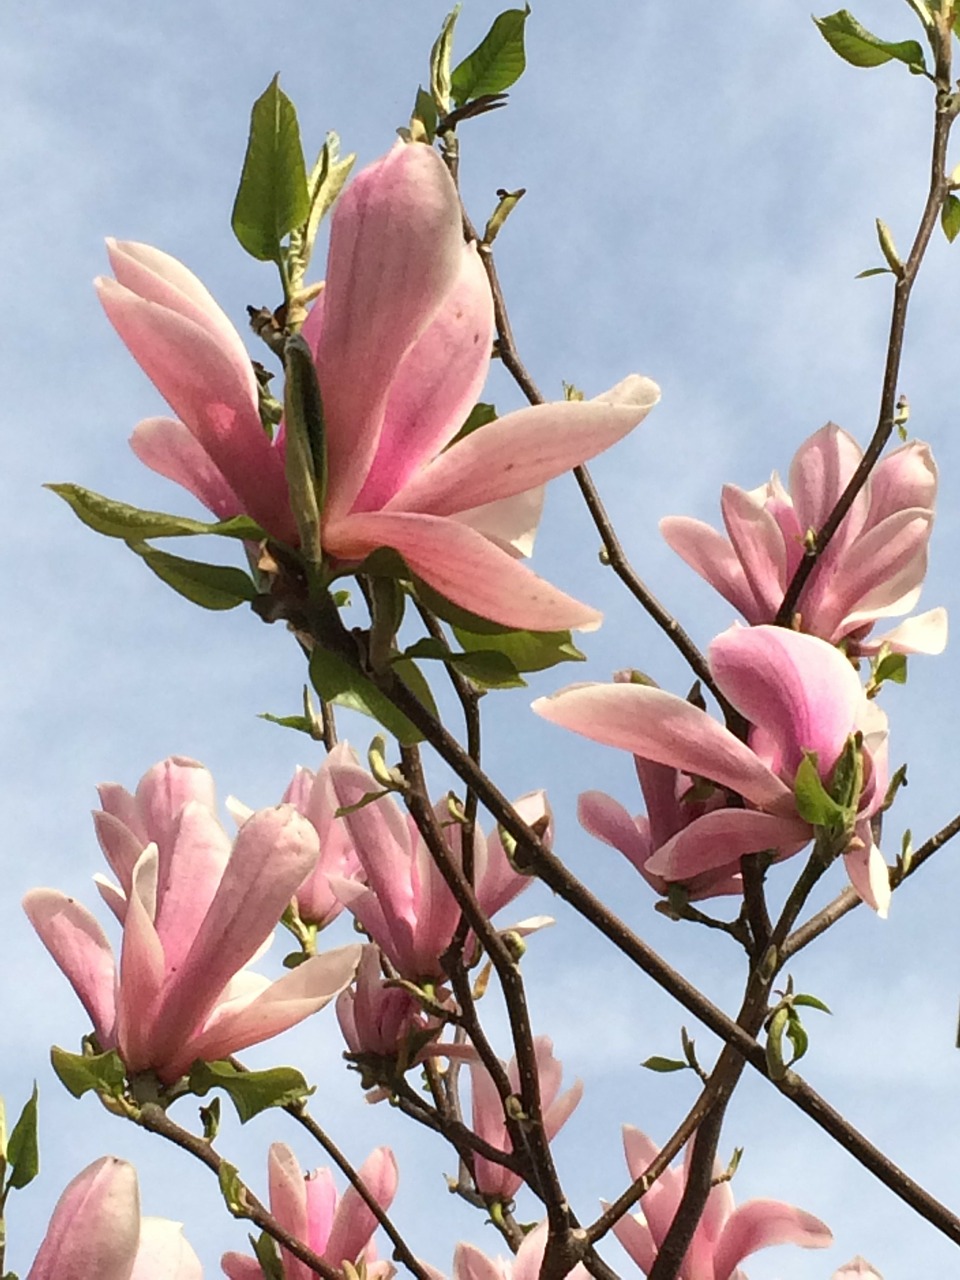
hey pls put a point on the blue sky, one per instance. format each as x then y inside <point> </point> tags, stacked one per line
<point>701,193</point>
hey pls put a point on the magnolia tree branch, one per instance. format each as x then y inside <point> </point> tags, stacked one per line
<point>946,107</point>
<point>154,1119</point>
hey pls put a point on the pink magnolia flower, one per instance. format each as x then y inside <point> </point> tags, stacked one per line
<point>873,567</point>
<point>96,1231</point>
<point>377,1019</point>
<point>800,695</point>
<point>857,1269</point>
<point>724,1235</point>
<point>488,1119</point>
<point>194,912</point>
<point>338,1228</point>
<point>402,338</point>
<point>406,906</point>
<point>470,1264</point>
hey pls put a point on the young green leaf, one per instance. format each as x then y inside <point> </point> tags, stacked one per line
<point>80,1072</point>
<point>211,586</point>
<point>23,1151</point>
<point>273,197</point>
<point>892,667</point>
<point>478,417</point>
<point>813,802</point>
<point>489,669</point>
<point>250,1091</point>
<point>861,48</point>
<point>326,181</point>
<point>440,61</point>
<point>497,62</point>
<point>336,681</point>
<point>306,460</point>
<point>656,1063</point>
<point>425,111</point>
<point>527,650</point>
<point>950,217</point>
<point>119,520</point>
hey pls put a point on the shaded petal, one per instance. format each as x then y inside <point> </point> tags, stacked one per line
<point>353,1223</point>
<point>199,850</point>
<point>761,1223</point>
<point>758,543</point>
<point>511,523</point>
<point>881,574</point>
<point>664,728</point>
<point>819,473</point>
<point>924,633</point>
<point>637,1239</point>
<point>288,1204</point>
<point>95,1226</point>
<point>802,692</point>
<point>721,838</point>
<point>607,820</point>
<point>142,972</point>
<point>396,251</point>
<point>525,449</point>
<point>857,1269</point>
<point>868,872</point>
<point>907,477</point>
<point>166,446</point>
<point>164,1253</point>
<point>465,568</point>
<point>710,554</point>
<point>470,1264</point>
<point>81,949</point>
<point>238,1266</point>
<point>436,385</point>
<point>660,1203</point>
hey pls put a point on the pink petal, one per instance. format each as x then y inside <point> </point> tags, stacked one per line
<point>465,568</point>
<point>379,835</point>
<point>436,385</point>
<point>166,446</point>
<point>95,1226</point>
<point>353,1223</point>
<point>761,1223</point>
<point>710,554</point>
<point>238,1266</point>
<point>525,449</point>
<point>142,973</point>
<point>857,1269</point>
<point>721,838</point>
<point>396,251</point>
<point>198,853</point>
<point>799,690</point>
<point>165,789</point>
<point>281,1005</point>
<point>470,1264</point>
<point>869,873</point>
<point>758,543</point>
<point>660,1203</point>
<point>80,947</point>
<point>321,1206</point>
<point>607,820</point>
<point>211,390</point>
<point>164,1253</point>
<point>637,1239</point>
<point>819,473</point>
<point>511,523</point>
<point>881,574</point>
<point>288,1204</point>
<point>668,730</point>
<point>924,633</point>
<point>121,846</point>
<point>907,477</point>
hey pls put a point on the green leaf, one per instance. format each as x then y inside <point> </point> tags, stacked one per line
<point>120,520</point>
<point>212,586</point>
<point>861,48</point>
<point>479,416</point>
<point>326,181</point>
<point>232,1189</point>
<point>425,110</point>
<point>527,650</point>
<point>268,1255</point>
<point>798,1038</point>
<point>497,62</point>
<point>273,197</point>
<point>813,802</point>
<point>950,217</point>
<point>811,1002</point>
<point>874,271</point>
<point>489,669</point>
<point>846,778</point>
<point>79,1073</point>
<point>440,56</point>
<point>23,1151</point>
<point>774,1046</point>
<point>250,1091</point>
<point>416,682</point>
<point>656,1063</point>
<point>336,681</point>
<point>306,461</point>
<point>893,666</point>
<point>301,723</point>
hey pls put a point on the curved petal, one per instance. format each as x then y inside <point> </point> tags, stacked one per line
<point>81,949</point>
<point>668,730</point>
<point>924,633</point>
<point>721,838</point>
<point>869,873</point>
<point>758,543</point>
<point>798,689</point>
<point>95,1226</point>
<point>512,523</point>
<point>710,554</point>
<point>238,1266</point>
<point>881,574</point>
<point>164,1253</point>
<point>396,251</point>
<point>435,386</point>
<point>209,389</point>
<point>761,1223</point>
<point>636,1238</point>
<point>198,853</point>
<point>465,568</point>
<point>142,973</point>
<point>470,1264</point>
<point>166,446</point>
<point>606,819</point>
<point>525,449</point>
<point>288,1204</point>
<point>662,1200</point>
<point>819,473</point>
<point>353,1223</point>
<point>907,477</point>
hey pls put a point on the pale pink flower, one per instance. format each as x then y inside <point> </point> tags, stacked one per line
<point>470,1264</point>
<point>96,1231</point>
<point>873,567</point>
<point>724,1236</point>
<point>489,1122</point>
<point>857,1269</point>
<point>195,910</point>
<point>338,1228</point>
<point>402,337</point>
<point>800,695</point>
<point>377,1019</point>
<point>406,906</point>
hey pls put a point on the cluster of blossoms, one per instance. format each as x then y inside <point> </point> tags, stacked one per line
<point>401,337</point>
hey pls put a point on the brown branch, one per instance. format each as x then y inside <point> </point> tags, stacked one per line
<point>947,106</point>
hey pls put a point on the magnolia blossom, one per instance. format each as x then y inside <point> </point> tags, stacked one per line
<point>800,695</point>
<point>406,906</point>
<point>337,1228</point>
<point>402,337</point>
<point>194,910</point>
<point>724,1235</point>
<point>489,1122</point>
<point>377,1019</point>
<point>857,1269</point>
<point>96,1231</point>
<point>470,1264</point>
<point>872,568</point>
